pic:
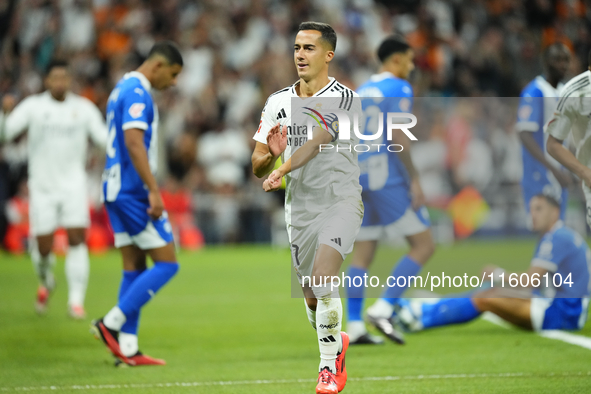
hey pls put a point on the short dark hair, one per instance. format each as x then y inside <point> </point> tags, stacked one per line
<point>169,50</point>
<point>589,59</point>
<point>554,201</point>
<point>554,46</point>
<point>390,46</point>
<point>56,63</point>
<point>328,33</point>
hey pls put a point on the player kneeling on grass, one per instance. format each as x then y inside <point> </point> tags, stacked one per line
<point>323,207</point>
<point>133,200</point>
<point>560,253</point>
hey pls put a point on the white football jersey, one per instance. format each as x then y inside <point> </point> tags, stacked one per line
<point>573,113</point>
<point>330,177</point>
<point>57,139</point>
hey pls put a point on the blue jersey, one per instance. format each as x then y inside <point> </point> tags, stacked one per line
<point>384,179</point>
<point>536,105</point>
<point>565,253</point>
<point>130,106</point>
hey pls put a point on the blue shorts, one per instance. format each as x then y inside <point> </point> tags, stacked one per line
<point>558,313</point>
<point>385,206</point>
<point>133,226</point>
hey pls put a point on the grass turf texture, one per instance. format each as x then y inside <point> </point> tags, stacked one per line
<point>228,316</point>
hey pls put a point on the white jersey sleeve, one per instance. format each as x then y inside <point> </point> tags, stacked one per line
<point>266,123</point>
<point>97,129</point>
<point>561,123</point>
<point>571,109</point>
<point>18,120</point>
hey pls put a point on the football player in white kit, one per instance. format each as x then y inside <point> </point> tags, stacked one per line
<point>58,124</point>
<point>323,196</point>
<point>573,114</point>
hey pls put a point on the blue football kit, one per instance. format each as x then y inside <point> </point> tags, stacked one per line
<point>130,106</point>
<point>536,105</point>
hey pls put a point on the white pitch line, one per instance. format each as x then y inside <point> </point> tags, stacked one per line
<point>285,381</point>
<point>564,336</point>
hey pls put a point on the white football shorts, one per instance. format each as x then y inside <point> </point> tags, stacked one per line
<point>337,227</point>
<point>48,211</point>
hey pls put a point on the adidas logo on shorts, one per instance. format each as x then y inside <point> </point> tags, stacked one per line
<point>336,241</point>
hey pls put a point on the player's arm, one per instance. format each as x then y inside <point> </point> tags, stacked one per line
<point>418,198</point>
<point>558,128</point>
<point>565,157</point>
<point>13,123</point>
<point>271,140</point>
<point>416,191</point>
<point>527,139</point>
<point>134,141</point>
<point>300,158</point>
<point>264,155</point>
<point>97,129</point>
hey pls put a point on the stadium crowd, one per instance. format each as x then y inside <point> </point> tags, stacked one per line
<point>238,52</point>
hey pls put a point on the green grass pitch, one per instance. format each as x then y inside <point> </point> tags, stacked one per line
<point>229,317</point>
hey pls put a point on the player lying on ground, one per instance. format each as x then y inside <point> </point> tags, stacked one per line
<point>58,124</point>
<point>572,115</point>
<point>560,251</point>
<point>541,173</point>
<point>133,200</point>
<point>392,197</point>
<point>323,197</point>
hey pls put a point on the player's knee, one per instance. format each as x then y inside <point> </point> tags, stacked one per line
<point>44,249</point>
<point>44,246</point>
<point>76,239</point>
<point>422,252</point>
<point>481,303</point>
<point>312,303</point>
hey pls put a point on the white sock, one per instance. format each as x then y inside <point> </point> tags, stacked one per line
<point>381,308</point>
<point>128,344</point>
<point>355,329</point>
<point>77,270</point>
<point>329,313</point>
<point>311,315</point>
<point>43,267</point>
<point>115,319</point>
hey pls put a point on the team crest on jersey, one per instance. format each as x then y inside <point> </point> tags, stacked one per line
<point>524,112</point>
<point>135,111</point>
<point>404,104</point>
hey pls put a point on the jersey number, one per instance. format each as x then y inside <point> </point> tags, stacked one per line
<point>111,151</point>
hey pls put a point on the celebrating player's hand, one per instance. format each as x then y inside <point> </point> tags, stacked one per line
<point>8,103</point>
<point>156,204</point>
<point>416,191</point>
<point>273,182</point>
<point>277,139</point>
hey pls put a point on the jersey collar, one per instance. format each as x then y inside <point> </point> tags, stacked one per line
<point>143,80</point>
<point>331,82</point>
<point>542,81</point>
<point>383,75</point>
<point>556,226</point>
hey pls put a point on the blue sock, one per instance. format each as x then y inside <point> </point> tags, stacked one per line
<point>145,286</point>
<point>449,311</point>
<point>355,293</point>
<point>406,267</point>
<point>131,324</point>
